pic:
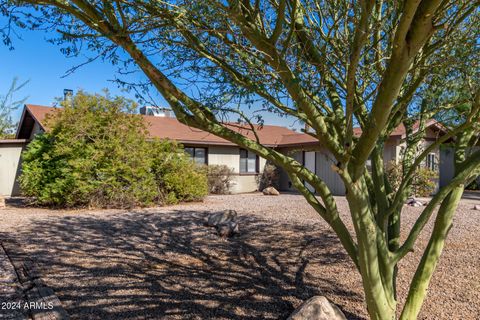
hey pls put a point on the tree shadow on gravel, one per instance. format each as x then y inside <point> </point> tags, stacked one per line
<point>147,265</point>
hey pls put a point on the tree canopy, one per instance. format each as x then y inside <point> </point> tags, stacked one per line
<point>333,65</point>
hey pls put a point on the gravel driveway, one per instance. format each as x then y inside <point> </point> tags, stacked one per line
<point>162,263</point>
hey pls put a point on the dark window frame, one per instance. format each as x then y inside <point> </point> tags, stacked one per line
<point>431,161</point>
<point>244,171</point>
<point>195,151</point>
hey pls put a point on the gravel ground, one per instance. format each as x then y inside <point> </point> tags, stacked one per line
<point>11,297</point>
<point>162,263</point>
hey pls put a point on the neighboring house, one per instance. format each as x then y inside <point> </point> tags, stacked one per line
<point>206,148</point>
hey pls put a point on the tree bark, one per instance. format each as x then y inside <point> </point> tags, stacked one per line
<point>424,272</point>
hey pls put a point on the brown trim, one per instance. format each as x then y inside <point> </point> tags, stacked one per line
<point>14,141</point>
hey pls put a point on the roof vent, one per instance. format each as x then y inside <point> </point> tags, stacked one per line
<point>156,111</point>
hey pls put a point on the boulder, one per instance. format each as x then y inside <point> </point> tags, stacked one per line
<point>414,202</point>
<point>218,218</point>
<point>227,229</point>
<point>476,207</point>
<point>270,191</point>
<point>317,308</point>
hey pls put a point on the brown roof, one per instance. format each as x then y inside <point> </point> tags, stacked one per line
<point>401,132</point>
<point>171,128</point>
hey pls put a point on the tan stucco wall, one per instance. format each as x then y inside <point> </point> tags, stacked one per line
<point>230,156</point>
<point>9,168</point>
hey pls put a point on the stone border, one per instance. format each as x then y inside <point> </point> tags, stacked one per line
<point>43,304</point>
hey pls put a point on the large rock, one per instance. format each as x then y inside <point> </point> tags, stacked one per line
<point>270,191</point>
<point>414,202</point>
<point>476,207</point>
<point>227,229</point>
<point>317,308</point>
<point>219,218</point>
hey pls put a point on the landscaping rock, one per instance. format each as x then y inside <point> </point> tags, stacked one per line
<point>414,202</point>
<point>270,191</point>
<point>228,229</point>
<point>317,308</point>
<point>476,207</point>
<point>218,218</point>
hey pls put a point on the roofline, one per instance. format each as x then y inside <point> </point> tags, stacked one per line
<point>209,143</point>
<point>21,121</point>
<point>26,108</point>
<point>35,118</point>
<point>13,141</point>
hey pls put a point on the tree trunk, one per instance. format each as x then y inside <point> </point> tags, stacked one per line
<point>375,267</point>
<point>424,272</point>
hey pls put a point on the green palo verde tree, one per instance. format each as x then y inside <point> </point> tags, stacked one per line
<point>334,65</point>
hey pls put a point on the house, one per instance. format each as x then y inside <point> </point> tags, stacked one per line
<point>206,148</point>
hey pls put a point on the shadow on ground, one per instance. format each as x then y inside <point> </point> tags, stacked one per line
<point>146,265</point>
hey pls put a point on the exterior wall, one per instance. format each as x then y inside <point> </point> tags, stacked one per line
<point>10,168</point>
<point>285,184</point>
<point>36,130</point>
<point>323,168</point>
<point>447,167</point>
<point>325,160</point>
<point>230,156</point>
<point>392,151</point>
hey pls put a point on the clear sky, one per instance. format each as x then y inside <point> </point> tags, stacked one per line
<point>44,66</point>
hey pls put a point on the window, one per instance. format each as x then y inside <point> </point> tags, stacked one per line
<point>431,163</point>
<point>199,155</point>
<point>248,162</point>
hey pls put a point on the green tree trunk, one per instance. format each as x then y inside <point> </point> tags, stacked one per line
<point>424,272</point>
<point>375,268</point>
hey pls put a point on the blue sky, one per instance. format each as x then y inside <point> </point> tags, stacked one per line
<point>44,66</point>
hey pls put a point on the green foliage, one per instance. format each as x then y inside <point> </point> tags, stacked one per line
<point>177,176</point>
<point>423,182</point>
<point>269,178</point>
<point>219,179</point>
<point>474,185</point>
<point>96,154</point>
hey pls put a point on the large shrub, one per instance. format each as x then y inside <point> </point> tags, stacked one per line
<point>177,176</point>
<point>270,177</point>
<point>219,179</point>
<point>423,182</point>
<point>96,154</point>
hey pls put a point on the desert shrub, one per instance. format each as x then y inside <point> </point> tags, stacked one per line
<point>96,154</point>
<point>177,176</point>
<point>474,185</point>
<point>423,182</point>
<point>219,179</point>
<point>269,178</point>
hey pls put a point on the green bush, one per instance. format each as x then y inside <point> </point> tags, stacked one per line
<point>270,177</point>
<point>423,182</point>
<point>178,177</point>
<point>219,179</point>
<point>474,185</point>
<point>96,154</point>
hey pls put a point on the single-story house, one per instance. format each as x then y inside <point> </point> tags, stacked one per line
<point>208,149</point>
